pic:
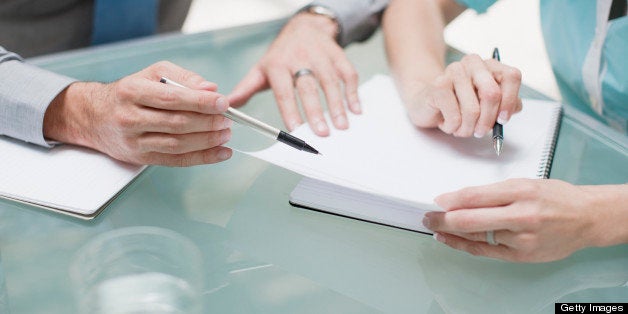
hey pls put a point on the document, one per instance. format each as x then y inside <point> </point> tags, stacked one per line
<point>383,167</point>
<point>72,180</point>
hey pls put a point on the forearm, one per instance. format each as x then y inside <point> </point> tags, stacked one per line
<point>414,41</point>
<point>609,213</point>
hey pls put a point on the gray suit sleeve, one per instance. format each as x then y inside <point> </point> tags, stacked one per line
<point>358,18</point>
<point>25,93</point>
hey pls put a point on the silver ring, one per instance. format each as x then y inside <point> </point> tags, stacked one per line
<point>490,238</point>
<point>301,72</point>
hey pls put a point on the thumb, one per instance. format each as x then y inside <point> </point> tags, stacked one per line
<point>254,81</point>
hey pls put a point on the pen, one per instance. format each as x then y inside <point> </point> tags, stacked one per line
<point>259,126</point>
<point>498,129</point>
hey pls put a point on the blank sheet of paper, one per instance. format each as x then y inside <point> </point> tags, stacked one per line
<point>383,153</point>
<point>66,177</point>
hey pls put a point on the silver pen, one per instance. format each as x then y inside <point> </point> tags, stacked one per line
<point>259,126</point>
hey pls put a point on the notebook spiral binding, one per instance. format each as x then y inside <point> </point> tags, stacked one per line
<point>545,165</point>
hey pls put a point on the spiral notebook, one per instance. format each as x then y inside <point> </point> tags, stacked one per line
<point>385,170</point>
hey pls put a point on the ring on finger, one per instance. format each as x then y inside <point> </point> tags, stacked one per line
<point>490,238</point>
<point>301,72</point>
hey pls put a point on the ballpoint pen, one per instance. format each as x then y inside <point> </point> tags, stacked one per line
<point>259,126</point>
<point>498,129</point>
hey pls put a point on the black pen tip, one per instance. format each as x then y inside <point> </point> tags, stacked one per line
<point>310,149</point>
<point>496,54</point>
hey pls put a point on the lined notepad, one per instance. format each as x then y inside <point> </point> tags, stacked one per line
<point>385,170</point>
<point>68,179</point>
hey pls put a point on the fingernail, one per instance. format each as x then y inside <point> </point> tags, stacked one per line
<point>356,107</point>
<point>479,134</point>
<point>341,122</point>
<point>502,118</point>
<point>224,154</point>
<point>439,237</point>
<point>321,126</point>
<point>222,104</point>
<point>207,85</point>
<point>293,125</point>
<point>228,123</point>
<point>426,222</point>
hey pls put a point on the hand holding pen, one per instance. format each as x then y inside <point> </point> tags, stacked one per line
<point>467,98</point>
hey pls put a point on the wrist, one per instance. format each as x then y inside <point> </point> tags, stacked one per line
<point>67,117</point>
<point>326,24</point>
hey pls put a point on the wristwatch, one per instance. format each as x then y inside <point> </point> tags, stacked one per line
<point>326,12</point>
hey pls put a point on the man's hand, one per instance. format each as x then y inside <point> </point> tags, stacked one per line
<point>142,121</point>
<point>306,42</point>
<point>467,98</point>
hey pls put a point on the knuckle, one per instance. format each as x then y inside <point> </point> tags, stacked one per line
<point>475,250</point>
<point>124,120</point>
<point>201,101</point>
<point>171,145</point>
<point>471,57</point>
<point>453,122</point>
<point>471,113</point>
<point>513,74</point>
<point>491,94</point>
<point>178,123</point>
<point>162,66</point>
<point>529,188</point>
<point>124,89</point>
<point>184,160</point>
<point>456,68</point>
<point>166,94</point>
<point>192,77</point>
<point>131,144</point>
<point>442,82</point>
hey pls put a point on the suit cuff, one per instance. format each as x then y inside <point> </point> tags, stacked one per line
<point>25,93</point>
<point>358,19</point>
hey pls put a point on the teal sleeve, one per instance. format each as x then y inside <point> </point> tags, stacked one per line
<point>479,6</point>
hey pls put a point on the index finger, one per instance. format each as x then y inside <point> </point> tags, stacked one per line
<point>509,79</point>
<point>180,75</point>
<point>169,97</point>
<point>470,220</point>
<point>496,194</point>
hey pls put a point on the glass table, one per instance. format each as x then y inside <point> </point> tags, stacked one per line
<point>259,254</point>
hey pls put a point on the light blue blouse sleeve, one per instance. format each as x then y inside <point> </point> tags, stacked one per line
<point>479,6</point>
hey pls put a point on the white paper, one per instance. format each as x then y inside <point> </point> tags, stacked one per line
<point>383,153</point>
<point>65,177</point>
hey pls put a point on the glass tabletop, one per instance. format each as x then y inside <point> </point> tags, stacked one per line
<point>259,254</point>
